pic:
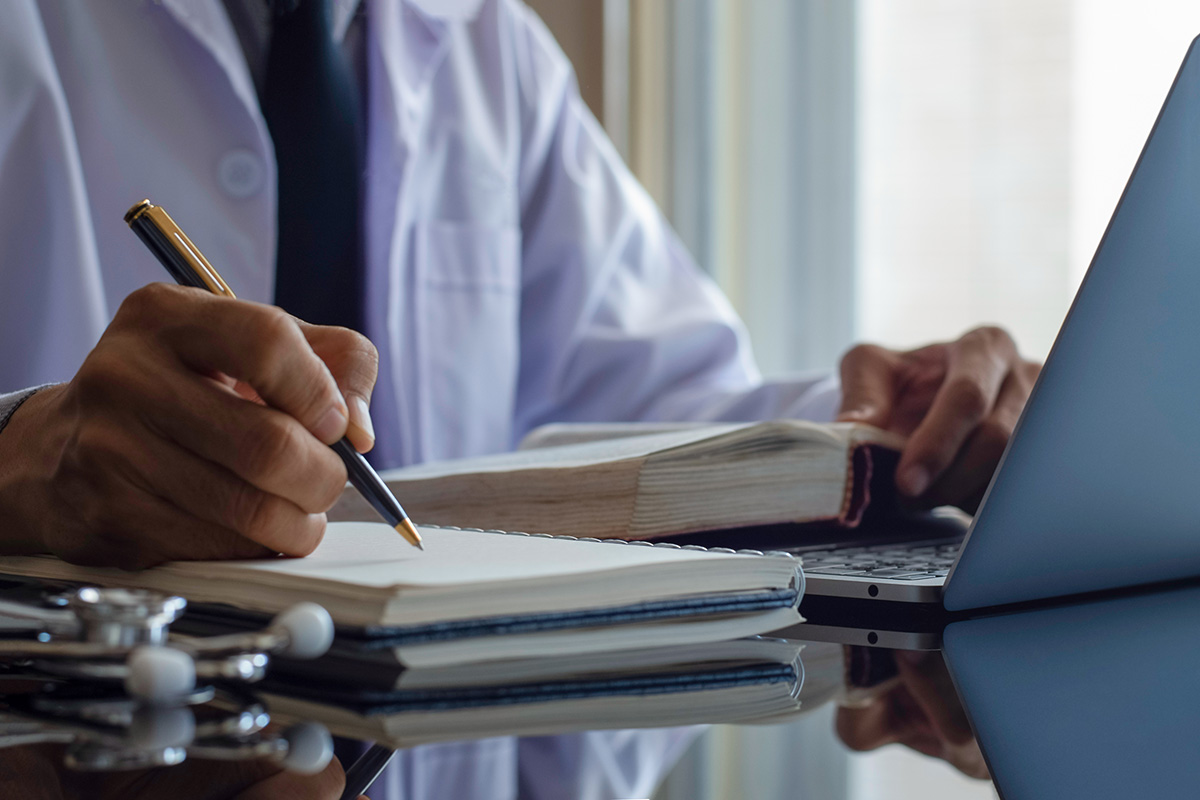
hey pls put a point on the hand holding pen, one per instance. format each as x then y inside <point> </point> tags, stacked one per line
<point>190,268</point>
<point>176,252</point>
<point>148,454</point>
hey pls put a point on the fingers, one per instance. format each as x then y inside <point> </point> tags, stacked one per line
<point>258,344</point>
<point>31,772</point>
<point>328,785</point>
<point>978,365</point>
<point>893,718</point>
<point>208,492</point>
<point>212,780</point>
<point>928,682</point>
<point>354,363</point>
<point>863,729</point>
<point>922,713</point>
<point>262,446</point>
<point>868,385</point>
<point>115,524</point>
<point>964,482</point>
<point>196,428</point>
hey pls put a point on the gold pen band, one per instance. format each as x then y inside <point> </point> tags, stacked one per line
<point>184,247</point>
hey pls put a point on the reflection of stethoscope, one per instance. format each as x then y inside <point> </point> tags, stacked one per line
<point>99,670</point>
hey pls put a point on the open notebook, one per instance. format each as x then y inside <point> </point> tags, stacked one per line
<point>474,594</point>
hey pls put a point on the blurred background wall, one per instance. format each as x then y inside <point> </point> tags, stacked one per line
<point>891,170</point>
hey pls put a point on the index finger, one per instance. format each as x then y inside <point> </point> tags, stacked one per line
<point>978,363</point>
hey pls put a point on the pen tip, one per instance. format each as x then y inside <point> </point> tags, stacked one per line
<point>409,531</point>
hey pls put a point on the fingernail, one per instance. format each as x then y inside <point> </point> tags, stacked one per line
<point>331,426</point>
<point>360,419</point>
<point>854,414</point>
<point>913,480</point>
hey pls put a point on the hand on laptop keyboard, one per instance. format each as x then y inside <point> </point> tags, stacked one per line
<point>957,403</point>
<point>922,711</point>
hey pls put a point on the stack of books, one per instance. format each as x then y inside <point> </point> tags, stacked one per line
<point>487,632</point>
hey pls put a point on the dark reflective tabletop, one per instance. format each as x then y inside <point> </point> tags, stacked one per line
<point>1089,699</point>
<point>1093,700</point>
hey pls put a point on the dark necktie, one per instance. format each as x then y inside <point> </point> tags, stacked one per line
<point>311,107</point>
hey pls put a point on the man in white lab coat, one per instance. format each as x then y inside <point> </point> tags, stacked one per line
<point>514,273</point>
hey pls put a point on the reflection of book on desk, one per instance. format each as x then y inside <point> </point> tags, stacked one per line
<point>721,682</point>
<point>679,479</point>
<point>383,668</point>
<point>476,594</point>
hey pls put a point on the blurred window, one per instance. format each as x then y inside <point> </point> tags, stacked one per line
<point>892,170</point>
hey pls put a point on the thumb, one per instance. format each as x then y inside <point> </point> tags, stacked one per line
<point>868,385</point>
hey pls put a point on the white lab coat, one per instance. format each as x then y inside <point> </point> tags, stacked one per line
<point>517,273</point>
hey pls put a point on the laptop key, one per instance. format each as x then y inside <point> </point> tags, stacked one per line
<point>834,571</point>
<point>894,573</point>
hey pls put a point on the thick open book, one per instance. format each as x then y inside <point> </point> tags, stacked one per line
<point>678,479</point>
<point>506,595</point>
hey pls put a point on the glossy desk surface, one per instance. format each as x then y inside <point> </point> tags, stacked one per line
<point>1089,700</point>
<point>1092,699</point>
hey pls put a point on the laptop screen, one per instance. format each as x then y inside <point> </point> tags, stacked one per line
<point>1100,486</point>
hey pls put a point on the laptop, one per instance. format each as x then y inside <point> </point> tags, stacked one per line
<point>1089,699</point>
<point>1099,487</point>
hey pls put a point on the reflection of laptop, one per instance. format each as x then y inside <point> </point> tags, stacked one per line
<point>1090,700</point>
<point>1100,485</point>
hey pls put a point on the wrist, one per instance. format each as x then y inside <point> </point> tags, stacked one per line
<point>29,444</point>
<point>11,401</point>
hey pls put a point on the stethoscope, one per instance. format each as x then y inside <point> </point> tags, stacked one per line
<point>100,671</point>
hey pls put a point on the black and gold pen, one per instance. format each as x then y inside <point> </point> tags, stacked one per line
<point>189,267</point>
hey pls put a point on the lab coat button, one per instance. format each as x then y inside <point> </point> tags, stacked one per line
<point>240,173</point>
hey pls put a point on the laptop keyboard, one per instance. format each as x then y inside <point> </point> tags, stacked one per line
<point>915,561</point>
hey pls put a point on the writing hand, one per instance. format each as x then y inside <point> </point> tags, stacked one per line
<point>922,712</point>
<point>957,403</point>
<point>152,452</point>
